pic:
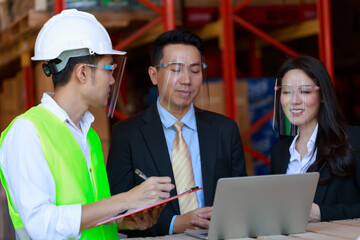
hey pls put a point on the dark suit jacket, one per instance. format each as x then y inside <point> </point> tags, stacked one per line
<point>339,199</point>
<point>139,142</point>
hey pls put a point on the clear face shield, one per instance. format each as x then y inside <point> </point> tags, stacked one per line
<point>182,81</point>
<point>115,67</point>
<point>296,104</point>
<point>119,62</point>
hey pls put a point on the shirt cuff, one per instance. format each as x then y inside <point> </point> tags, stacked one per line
<point>172,224</point>
<point>71,220</point>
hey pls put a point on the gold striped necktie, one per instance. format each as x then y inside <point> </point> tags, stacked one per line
<point>183,172</point>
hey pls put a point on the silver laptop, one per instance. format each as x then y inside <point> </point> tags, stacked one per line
<point>260,206</point>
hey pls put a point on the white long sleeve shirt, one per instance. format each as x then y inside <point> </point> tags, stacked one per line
<point>30,181</point>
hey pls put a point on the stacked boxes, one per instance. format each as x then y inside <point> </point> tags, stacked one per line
<point>11,100</point>
<point>258,12</point>
<point>215,101</point>
<point>101,125</point>
<point>254,99</point>
<point>5,19</point>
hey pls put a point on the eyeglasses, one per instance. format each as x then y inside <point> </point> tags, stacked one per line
<point>110,68</point>
<point>179,68</point>
<point>303,90</point>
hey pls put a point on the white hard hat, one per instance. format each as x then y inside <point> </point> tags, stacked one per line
<point>68,34</point>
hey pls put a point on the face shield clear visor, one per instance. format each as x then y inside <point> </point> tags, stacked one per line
<point>116,69</point>
<point>117,73</point>
<point>182,82</point>
<point>296,104</point>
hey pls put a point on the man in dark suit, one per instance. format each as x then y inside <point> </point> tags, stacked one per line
<point>145,141</point>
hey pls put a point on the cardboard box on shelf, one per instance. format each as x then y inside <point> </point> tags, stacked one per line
<point>201,3</point>
<point>105,144</point>
<point>42,82</point>
<point>12,97</point>
<point>279,14</point>
<point>215,102</point>
<point>216,3</point>
<point>199,16</point>
<point>21,7</point>
<point>258,12</point>
<point>101,124</point>
<point>6,118</point>
<point>7,103</point>
<point>5,15</point>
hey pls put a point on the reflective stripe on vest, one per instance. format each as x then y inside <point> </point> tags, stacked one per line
<point>69,169</point>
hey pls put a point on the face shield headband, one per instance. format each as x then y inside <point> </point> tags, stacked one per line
<point>180,82</point>
<point>296,104</point>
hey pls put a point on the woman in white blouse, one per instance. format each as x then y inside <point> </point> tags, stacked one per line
<point>315,138</point>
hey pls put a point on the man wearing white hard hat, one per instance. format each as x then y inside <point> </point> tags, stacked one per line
<point>51,162</point>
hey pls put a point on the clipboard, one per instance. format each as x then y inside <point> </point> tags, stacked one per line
<point>191,190</point>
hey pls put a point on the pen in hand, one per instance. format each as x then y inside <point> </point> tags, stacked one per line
<point>140,174</point>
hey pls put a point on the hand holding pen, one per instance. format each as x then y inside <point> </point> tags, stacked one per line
<point>153,189</point>
<point>144,177</point>
<point>141,174</point>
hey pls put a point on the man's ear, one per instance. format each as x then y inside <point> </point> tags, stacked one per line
<point>81,72</point>
<point>153,73</point>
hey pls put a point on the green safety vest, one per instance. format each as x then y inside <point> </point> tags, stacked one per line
<point>68,167</point>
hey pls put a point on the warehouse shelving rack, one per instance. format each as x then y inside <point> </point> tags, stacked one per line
<point>22,33</point>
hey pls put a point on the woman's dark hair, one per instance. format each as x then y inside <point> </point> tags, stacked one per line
<point>333,147</point>
<point>61,78</point>
<point>175,37</point>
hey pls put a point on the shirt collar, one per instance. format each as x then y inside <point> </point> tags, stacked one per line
<point>49,103</point>
<point>168,119</point>
<point>294,155</point>
<point>311,143</point>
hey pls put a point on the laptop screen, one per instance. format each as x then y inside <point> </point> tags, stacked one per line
<point>262,205</point>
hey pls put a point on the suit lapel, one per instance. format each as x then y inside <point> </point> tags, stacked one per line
<point>154,137</point>
<point>321,189</point>
<point>208,147</point>
<point>285,158</point>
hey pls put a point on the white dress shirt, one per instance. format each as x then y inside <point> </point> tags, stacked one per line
<point>30,181</point>
<point>298,165</point>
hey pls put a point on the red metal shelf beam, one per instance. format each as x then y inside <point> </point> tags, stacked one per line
<point>59,5</point>
<point>325,36</point>
<point>122,45</point>
<point>228,59</point>
<point>167,16</point>
<point>227,14</point>
<point>251,28</point>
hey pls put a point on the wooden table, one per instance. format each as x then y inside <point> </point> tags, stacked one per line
<point>335,230</point>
